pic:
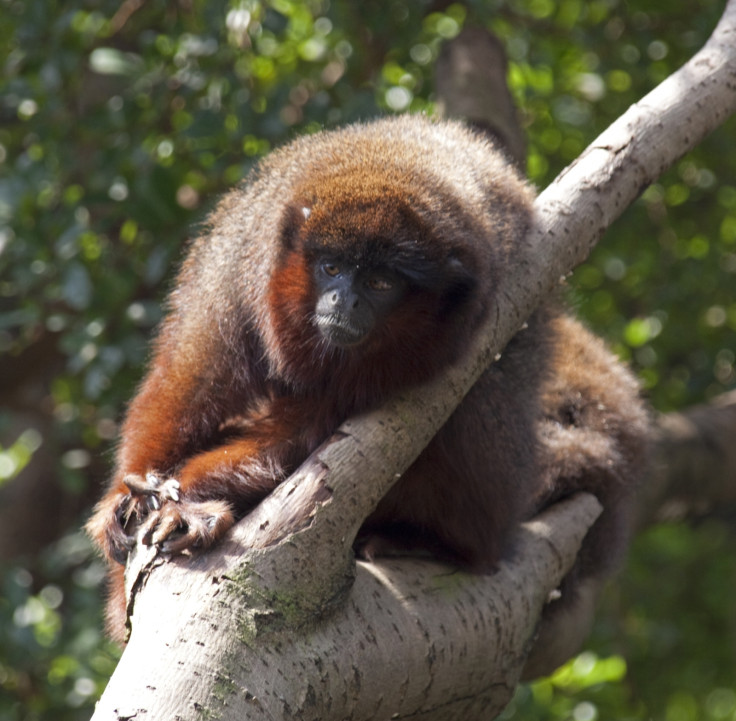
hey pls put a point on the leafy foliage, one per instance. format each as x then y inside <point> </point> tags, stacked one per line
<point>119,125</point>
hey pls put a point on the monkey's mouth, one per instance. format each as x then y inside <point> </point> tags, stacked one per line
<point>337,332</point>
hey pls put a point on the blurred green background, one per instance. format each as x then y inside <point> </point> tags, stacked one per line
<point>121,122</point>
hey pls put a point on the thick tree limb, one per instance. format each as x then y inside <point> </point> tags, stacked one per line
<point>263,652</point>
<point>206,636</point>
<point>471,85</point>
<point>695,465</point>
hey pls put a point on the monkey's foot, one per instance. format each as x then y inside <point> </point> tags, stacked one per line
<point>182,525</point>
<point>373,544</point>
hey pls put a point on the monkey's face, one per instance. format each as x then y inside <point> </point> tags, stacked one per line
<point>352,300</point>
<point>366,292</point>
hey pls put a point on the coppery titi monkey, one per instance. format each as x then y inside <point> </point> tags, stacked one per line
<point>350,265</point>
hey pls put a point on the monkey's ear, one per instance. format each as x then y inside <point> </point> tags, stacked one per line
<point>295,215</point>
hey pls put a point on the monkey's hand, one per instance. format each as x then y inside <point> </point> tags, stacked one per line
<point>119,514</point>
<point>169,520</point>
<point>172,522</point>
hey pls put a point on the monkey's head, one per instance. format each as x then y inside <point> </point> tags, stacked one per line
<point>371,290</point>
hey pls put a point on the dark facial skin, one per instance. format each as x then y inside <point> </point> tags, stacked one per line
<point>352,300</point>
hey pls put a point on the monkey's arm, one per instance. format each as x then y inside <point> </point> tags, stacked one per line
<point>215,487</point>
<point>196,508</point>
<point>198,502</point>
<point>172,434</point>
<point>182,495</point>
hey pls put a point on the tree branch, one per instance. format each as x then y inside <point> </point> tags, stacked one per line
<point>208,634</point>
<point>695,463</point>
<point>470,78</point>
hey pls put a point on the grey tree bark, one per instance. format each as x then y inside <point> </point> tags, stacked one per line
<point>251,630</point>
<point>695,465</point>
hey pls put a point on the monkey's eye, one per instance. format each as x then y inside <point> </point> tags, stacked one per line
<point>379,283</point>
<point>331,269</point>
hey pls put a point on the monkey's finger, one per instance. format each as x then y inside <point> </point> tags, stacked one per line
<point>149,528</point>
<point>169,522</point>
<point>123,510</point>
<point>140,486</point>
<point>182,542</point>
<point>117,542</point>
<point>170,490</point>
<point>205,522</point>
